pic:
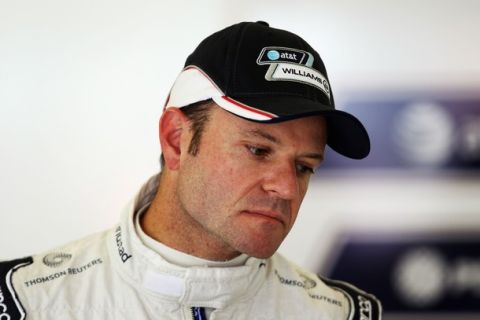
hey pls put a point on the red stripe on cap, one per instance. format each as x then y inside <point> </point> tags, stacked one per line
<point>248,108</point>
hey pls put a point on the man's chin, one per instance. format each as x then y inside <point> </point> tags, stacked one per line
<point>262,255</point>
<point>260,252</point>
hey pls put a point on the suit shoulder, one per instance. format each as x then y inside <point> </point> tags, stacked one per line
<point>24,281</point>
<point>363,305</point>
<point>355,304</point>
<point>68,255</point>
<point>308,290</point>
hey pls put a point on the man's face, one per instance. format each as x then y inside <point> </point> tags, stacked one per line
<point>244,187</point>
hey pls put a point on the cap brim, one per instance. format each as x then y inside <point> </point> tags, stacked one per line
<point>346,134</point>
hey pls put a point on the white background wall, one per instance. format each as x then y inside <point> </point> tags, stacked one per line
<point>82,84</point>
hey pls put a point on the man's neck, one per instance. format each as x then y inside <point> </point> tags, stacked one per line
<point>167,222</point>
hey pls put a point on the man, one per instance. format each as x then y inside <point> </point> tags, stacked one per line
<point>244,128</point>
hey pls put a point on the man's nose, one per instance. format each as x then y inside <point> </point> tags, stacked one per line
<point>281,180</point>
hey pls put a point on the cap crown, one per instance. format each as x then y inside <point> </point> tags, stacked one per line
<point>241,58</point>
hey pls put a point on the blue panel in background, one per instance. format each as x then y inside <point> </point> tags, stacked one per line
<point>413,274</point>
<point>416,133</point>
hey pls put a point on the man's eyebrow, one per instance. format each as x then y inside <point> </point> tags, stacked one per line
<point>261,134</point>
<point>316,156</point>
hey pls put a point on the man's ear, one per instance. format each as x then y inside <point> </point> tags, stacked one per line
<point>173,124</point>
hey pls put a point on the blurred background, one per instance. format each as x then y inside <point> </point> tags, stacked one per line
<point>82,85</point>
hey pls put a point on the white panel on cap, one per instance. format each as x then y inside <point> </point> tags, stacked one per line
<point>191,86</point>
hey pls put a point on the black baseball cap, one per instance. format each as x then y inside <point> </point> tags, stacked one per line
<point>266,75</point>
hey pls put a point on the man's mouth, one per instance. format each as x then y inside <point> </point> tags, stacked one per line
<point>267,214</point>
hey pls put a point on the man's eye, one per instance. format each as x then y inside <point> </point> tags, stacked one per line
<point>259,152</point>
<point>305,169</point>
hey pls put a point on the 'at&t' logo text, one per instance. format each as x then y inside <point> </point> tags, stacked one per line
<point>275,55</point>
<point>271,55</point>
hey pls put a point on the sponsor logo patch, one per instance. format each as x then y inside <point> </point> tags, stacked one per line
<point>60,274</point>
<point>270,55</point>
<point>124,256</point>
<point>56,259</point>
<point>287,64</point>
<point>307,284</point>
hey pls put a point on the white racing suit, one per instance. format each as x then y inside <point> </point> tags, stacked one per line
<point>113,275</point>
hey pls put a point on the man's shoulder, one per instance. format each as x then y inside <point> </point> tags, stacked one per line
<point>356,303</point>
<point>363,305</point>
<point>68,254</point>
<point>22,280</point>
